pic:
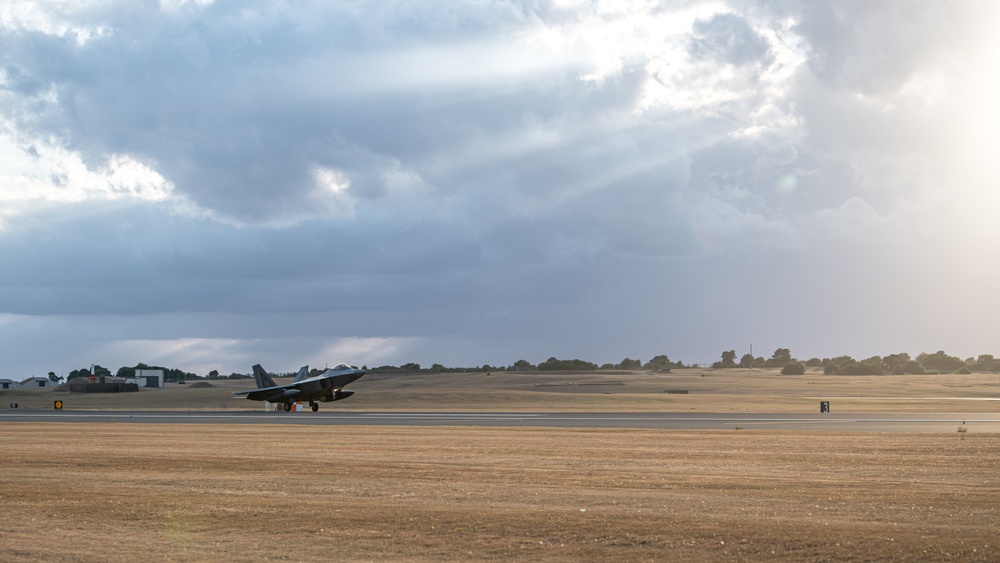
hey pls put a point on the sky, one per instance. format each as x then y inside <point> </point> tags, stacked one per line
<point>212,184</point>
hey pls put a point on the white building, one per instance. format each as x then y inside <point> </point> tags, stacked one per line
<point>143,377</point>
<point>36,381</point>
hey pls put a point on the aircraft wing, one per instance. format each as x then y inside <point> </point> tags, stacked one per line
<point>289,391</point>
<point>275,388</point>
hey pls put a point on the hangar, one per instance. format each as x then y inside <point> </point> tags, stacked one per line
<point>36,381</point>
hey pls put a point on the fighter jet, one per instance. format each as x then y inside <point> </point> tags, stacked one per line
<point>328,386</point>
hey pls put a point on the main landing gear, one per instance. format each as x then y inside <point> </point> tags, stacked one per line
<point>312,404</point>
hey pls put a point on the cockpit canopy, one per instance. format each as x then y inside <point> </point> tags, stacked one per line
<point>342,366</point>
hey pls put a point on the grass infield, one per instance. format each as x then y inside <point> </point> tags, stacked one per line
<point>122,492</point>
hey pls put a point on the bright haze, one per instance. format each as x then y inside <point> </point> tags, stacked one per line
<point>212,184</point>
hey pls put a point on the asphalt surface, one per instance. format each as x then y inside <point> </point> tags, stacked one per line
<point>839,422</point>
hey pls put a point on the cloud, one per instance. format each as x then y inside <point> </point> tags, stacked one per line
<point>451,180</point>
<point>729,39</point>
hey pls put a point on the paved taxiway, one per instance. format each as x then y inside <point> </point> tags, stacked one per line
<point>841,422</point>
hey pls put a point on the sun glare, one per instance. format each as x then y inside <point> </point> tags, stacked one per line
<point>972,131</point>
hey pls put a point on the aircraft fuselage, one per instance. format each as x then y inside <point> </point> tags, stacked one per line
<point>329,386</point>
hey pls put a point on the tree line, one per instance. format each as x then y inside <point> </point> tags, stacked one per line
<point>896,364</point>
<point>658,363</point>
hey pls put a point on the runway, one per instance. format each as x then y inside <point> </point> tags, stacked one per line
<point>835,422</point>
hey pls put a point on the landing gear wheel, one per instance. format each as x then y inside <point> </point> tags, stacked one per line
<point>314,406</point>
<point>288,407</point>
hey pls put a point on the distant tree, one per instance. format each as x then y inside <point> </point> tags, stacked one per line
<point>983,363</point>
<point>871,366</point>
<point>940,361</point>
<point>793,368</point>
<point>728,360</point>
<point>759,362</point>
<point>894,361</point>
<point>660,363</point>
<point>214,374</point>
<point>841,361</point>
<point>746,361</point>
<point>410,367</point>
<point>53,377</point>
<point>629,363</point>
<point>86,372</point>
<point>846,366</point>
<point>437,368</point>
<point>553,364</point>
<point>780,357</point>
<point>524,365</point>
<point>913,367</point>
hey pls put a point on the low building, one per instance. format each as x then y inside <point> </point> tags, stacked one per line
<point>149,377</point>
<point>8,384</point>
<point>36,381</point>
<point>110,385</point>
<point>78,384</point>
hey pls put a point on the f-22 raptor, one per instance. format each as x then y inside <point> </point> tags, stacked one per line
<point>329,386</point>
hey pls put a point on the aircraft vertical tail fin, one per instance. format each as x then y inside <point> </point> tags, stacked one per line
<point>263,380</point>
<point>303,374</point>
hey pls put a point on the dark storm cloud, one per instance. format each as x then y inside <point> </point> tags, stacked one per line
<point>234,106</point>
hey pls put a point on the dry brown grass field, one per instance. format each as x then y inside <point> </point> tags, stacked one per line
<point>126,492</point>
<point>130,492</point>
<point>708,391</point>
